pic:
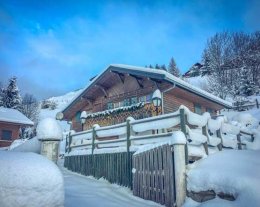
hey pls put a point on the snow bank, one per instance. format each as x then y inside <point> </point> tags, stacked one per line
<point>31,145</point>
<point>16,143</point>
<point>28,179</point>
<point>48,128</point>
<point>239,176</point>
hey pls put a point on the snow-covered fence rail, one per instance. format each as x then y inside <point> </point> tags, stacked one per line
<point>204,135</point>
<point>126,135</point>
<point>246,105</point>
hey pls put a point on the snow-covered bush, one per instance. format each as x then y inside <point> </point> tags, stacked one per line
<point>28,179</point>
<point>47,104</point>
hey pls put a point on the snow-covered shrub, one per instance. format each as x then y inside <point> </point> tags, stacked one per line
<point>28,179</point>
<point>46,104</point>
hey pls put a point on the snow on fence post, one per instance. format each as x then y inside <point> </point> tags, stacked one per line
<point>183,129</point>
<point>257,104</point>
<point>219,135</point>
<point>180,168</point>
<point>94,135</point>
<point>205,144</point>
<point>49,133</point>
<point>128,143</point>
<point>239,141</point>
<point>69,142</point>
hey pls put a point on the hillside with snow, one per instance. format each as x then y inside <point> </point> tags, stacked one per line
<point>61,102</point>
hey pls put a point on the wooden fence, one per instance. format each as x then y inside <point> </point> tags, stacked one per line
<point>115,167</point>
<point>155,169</point>
<point>153,177</point>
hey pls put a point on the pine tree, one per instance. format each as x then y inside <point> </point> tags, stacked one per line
<point>11,95</point>
<point>247,85</point>
<point>163,67</point>
<point>157,66</point>
<point>173,69</point>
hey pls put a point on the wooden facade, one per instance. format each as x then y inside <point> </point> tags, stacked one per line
<point>11,121</point>
<point>123,88</point>
<point>8,133</point>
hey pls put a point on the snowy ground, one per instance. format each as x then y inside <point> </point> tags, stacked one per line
<point>84,191</point>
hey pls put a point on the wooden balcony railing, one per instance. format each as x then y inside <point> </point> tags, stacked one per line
<point>145,111</point>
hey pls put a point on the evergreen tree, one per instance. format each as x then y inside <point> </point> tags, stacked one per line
<point>157,66</point>
<point>11,95</point>
<point>247,85</point>
<point>163,67</point>
<point>173,69</point>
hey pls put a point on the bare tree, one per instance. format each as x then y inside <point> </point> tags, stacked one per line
<point>30,108</point>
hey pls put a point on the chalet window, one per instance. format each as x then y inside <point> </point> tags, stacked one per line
<point>211,111</point>
<point>149,98</point>
<point>197,109</point>
<point>142,99</point>
<point>133,100</point>
<point>121,103</point>
<point>78,116</point>
<point>127,102</point>
<point>6,135</point>
<point>146,99</point>
<point>110,105</point>
<point>116,105</point>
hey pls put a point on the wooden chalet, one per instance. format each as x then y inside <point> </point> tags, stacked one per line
<point>121,91</point>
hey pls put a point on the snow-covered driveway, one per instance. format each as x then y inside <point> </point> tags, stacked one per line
<point>82,191</point>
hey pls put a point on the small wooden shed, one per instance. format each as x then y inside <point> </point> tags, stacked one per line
<point>11,121</point>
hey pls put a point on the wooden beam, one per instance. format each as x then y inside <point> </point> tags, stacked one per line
<point>103,89</point>
<point>138,80</point>
<point>121,76</point>
<point>89,101</point>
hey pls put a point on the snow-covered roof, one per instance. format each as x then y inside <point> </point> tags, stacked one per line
<point>156,74</point>
<point>14,116</point>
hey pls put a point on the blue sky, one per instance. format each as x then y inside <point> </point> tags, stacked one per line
<point>55,46</point>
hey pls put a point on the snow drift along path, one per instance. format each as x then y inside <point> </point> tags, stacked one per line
<point>29,180</point>
<point>235,172</point>
<point>84,191</point>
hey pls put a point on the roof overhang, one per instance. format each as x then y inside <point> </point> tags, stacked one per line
<point>153,74</point>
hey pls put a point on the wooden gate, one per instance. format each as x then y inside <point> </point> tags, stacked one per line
<point>153,175</point>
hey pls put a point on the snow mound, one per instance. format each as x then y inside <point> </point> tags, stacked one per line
<point>28,179</point>
<point>48,128</point>
<point>245,119</point>
<point>16,143</point>
<point>239,176</point>
<point>31,145</point>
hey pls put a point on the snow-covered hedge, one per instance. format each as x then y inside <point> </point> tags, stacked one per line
<point>28,179</point>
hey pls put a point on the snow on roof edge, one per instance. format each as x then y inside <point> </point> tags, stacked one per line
<point>168,76</point>
<point>14,116</point>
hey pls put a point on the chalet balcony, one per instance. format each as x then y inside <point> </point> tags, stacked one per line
<point>118,115</point>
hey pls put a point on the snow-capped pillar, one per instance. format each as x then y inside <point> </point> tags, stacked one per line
<point>50,134</point>
<point>183,129</point>
<point>180,167</point>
